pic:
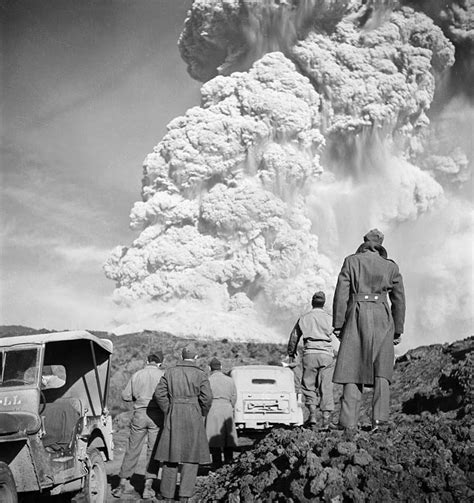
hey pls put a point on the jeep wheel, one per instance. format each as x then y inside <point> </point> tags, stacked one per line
<point>95,485</point>
<point>7,485</point>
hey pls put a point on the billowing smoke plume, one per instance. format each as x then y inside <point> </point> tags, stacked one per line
<point>313,127</point>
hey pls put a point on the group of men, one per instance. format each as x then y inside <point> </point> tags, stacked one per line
<point>187,417</point>
<point>193,413</point>
<point>368,318</point>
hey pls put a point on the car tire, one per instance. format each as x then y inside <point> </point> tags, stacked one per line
<point>7,485</point>
<point>95,484</point>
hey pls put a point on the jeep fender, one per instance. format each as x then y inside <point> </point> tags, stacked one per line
<point>97,441</point>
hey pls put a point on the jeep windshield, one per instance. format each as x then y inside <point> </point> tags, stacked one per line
<point>19,366</point>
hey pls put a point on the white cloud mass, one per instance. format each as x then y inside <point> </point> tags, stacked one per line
<point>251,200</point>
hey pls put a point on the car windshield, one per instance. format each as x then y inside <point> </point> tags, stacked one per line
<point>19,367</point>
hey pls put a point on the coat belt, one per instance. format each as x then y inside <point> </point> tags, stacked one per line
<point>184,399</point>
<point>369,297</point>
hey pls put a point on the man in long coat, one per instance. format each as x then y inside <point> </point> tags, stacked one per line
<point>184,395</point>
<point>220,426</point>
<point>368,326</point>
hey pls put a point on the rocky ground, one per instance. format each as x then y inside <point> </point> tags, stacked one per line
<point>426,455</point>
<point>113,467</point>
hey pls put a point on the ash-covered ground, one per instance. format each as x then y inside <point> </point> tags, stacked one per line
<point>427,455</point>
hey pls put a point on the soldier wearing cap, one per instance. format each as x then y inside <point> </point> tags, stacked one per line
<point>315,328</point>
<point>184,395</point>
<point>220,426</point>
<point>368,327</point>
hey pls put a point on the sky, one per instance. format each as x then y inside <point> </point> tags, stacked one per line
<point>87,89</point>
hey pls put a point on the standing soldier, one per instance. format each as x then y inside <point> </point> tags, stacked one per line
<point>220,426</point>
<point>318,358</point>
<point>147,420</point>
<point>368,327</point>
<point>184,395</point>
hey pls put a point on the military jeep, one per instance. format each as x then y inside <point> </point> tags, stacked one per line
<point>55,429</point>
<point>266,397</point>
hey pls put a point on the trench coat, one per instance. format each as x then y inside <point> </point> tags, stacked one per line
<point>367,328</point>
<point>184,395</point>
<point>220,425</point>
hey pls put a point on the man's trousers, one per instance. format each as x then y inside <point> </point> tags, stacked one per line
<point>145,422</point>
<point>351,399</point>
<point>318,369</point>
<point>169,477</point>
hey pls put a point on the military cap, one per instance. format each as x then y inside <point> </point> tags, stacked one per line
<point>188,353</point>
<point>375,236</point>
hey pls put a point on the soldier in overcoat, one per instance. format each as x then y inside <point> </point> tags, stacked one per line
<point>184,395</point>
<point>220,425</point>
<point>368,317</point>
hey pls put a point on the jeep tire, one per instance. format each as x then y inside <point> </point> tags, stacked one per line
<point>7,485</point>
<point>95,484</point>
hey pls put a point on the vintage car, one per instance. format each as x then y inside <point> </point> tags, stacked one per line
<point>55,429</point>
<point>266,397</point>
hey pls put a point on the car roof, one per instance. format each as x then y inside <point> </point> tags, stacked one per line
<point>247,368</point>
<point>72,335</point>
<point>245,375</point>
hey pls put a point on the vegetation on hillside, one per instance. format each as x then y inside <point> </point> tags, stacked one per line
<point>130,352</point>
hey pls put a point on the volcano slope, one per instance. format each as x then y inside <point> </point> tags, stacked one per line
<point>426,455</point>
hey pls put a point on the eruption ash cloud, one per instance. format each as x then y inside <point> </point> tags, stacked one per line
<point>313,125</point>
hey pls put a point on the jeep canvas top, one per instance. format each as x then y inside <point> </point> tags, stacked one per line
<point>55,427</point>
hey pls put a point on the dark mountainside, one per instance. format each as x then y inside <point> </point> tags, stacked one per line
<point>428,455</point>
<point>131,350</point>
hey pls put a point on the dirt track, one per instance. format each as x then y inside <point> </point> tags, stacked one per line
<point>113,467</point>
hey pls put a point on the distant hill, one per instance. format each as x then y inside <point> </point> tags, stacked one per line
<point>425,378</point>
<point>14,330</point>
<point>131,350</point>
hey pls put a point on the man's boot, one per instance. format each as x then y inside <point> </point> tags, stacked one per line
<point>312,414</point>
<point>148,492</point>
<point>326,420</point>
<point>379,426</point>
<point>125,487</point>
